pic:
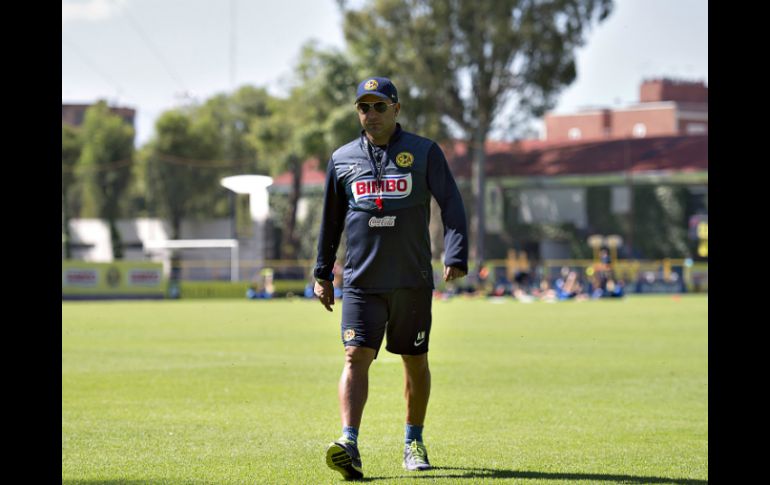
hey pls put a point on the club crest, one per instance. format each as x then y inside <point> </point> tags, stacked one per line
<point>404,159</point>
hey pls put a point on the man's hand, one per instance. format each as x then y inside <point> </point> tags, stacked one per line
<point>452,273</point>
<point>325,293</point>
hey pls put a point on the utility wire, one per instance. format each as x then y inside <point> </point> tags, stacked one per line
<point>92,65</point>
<point>80,168</point>
<point>166,65</point>
<point>163,158</point>
<point>190,162</point>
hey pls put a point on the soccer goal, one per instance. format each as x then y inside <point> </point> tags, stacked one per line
<point>200,244</point>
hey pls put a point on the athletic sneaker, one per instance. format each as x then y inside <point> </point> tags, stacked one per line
<point>416,456</point>
<point>342,455</point>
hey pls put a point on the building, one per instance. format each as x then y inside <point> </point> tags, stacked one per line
<point>73,114</point>
<point>571,183</point>
<point>535,183</point>
<point>666,108</point>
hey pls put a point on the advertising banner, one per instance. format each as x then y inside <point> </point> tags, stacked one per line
<point>116,280</point>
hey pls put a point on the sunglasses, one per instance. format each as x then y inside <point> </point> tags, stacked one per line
<point>379,106</point>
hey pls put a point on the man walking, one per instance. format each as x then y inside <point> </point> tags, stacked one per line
<point>378,187</point>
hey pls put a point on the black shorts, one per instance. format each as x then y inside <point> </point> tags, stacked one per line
<point>404,314</point>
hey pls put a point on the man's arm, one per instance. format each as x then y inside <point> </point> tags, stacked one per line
<point>443,187</point>
<point>332,223</point>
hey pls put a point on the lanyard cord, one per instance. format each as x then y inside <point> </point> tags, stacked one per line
<point>377,164</point>
<point>379,167</point>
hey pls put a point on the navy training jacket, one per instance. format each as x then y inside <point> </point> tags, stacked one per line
<point>389,247</point>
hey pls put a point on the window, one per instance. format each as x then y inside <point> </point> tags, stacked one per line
<point>574,134</point>
<point>640,130</point>
<point>696,129</point>
<point>620,201</point>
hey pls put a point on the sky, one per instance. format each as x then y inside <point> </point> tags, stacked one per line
<point>153,55</point>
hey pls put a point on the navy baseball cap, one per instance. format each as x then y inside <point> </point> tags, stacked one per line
<point>378,86</point>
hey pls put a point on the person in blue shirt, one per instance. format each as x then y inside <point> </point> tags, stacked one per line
<point>378,188</point>
<point>568,287</point>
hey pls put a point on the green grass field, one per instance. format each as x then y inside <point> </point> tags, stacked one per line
<point>241,392</point>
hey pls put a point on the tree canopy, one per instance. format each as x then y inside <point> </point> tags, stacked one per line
<point>105,164</point>
<point>463,61</point>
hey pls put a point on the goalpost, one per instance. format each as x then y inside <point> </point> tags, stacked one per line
<point>199,244</point>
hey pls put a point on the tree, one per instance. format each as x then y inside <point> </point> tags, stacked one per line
<point>135,202</point>
<point>326,81</point>
<point>470,60</point>
<point>317,117</point>
<point>231,115</point>
<point>71,145</point>
<point>194,147</point>
<point>282,140</point>
<point>183,167</point>
<point>105,162</point>
<point>660,221</point>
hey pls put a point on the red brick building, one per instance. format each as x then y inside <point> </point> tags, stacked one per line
<point>73,114</point>
<point>666,108</point>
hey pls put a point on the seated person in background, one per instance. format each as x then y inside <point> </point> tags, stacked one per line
<point>253,294</point>
<point>602,271</point>
<point>569,287</point>
<point>605,283</point>
<point>614,289</point>
<point>520,288</point>
<point>503,285</point>
<point>262,285</point>
<point>545,292</point>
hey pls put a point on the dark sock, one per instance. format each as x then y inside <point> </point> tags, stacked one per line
<point>350,433</point>
<point>413,433</point>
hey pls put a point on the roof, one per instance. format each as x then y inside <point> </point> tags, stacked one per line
<point>311,175</point>
<point>667,153</point>
<point>537,158</point>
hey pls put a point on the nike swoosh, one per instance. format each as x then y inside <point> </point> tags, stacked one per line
<point>417,344</point>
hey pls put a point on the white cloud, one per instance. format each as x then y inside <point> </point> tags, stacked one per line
<point>89,10</point>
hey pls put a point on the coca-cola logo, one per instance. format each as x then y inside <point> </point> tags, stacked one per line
<point>386,221</point>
